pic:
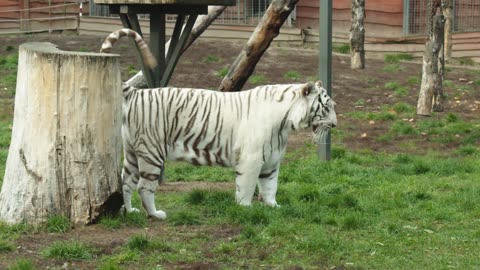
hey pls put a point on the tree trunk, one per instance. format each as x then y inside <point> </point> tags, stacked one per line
<point>265,32</point>
<point>431,89</point>
<point>448,13</point>
<point>202,23</point>
<point>64,157</point>
<point>357,35</point>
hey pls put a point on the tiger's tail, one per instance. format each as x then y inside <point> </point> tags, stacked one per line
<point>147,55</point>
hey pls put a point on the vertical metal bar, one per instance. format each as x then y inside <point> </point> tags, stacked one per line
<point>157,45</point>
<point>177,50</point>
<point>134,24</point>
<point>325,66</point>
<point>175,36</point>
<point>406,17</point>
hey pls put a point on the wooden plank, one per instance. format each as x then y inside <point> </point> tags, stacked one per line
<point>170,2</point>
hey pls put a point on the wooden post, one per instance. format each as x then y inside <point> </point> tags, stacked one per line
<point>357,35</point>
<point>64,156</point>
<point>431,89</point>
<point>267,29</point>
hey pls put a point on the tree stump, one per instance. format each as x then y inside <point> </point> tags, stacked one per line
<point>357,35</point>
<point>65,154</point>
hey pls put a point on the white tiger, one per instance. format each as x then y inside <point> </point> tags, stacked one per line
<point>246,130</point>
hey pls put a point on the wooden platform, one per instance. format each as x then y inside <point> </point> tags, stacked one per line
<point>170,2</point>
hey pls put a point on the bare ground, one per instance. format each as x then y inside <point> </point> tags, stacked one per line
<point>353,90</point>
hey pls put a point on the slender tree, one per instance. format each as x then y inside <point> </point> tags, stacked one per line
<point>431,90</point>
<point>357,35</point>
<point>448,13</point>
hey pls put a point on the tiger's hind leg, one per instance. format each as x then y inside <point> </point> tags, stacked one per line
<point>129,179</point>
<point>149,179</point>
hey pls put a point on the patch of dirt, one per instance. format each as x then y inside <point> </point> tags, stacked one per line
<point>353,90</point>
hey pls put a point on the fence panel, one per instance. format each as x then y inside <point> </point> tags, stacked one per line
<point>466,15</point>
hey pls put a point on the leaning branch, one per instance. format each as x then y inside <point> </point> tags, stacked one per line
<point>265,32</point>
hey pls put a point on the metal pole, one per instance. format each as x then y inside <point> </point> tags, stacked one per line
<point>325,65</point>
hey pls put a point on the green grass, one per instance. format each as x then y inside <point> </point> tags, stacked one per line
<point>342,48</point>
<point>222,72</point>
<point>395,58</point>
<point>257,79</point>
<point>465,61</point>
<point>68,250</point>
<point>131,70</point>
<point>392,67</point>
<point>23,264</point>
<point>292,75</point>
<point>6,246</point>
<point>57,224</point>
<point>211,59</point>
<point>133,219</point>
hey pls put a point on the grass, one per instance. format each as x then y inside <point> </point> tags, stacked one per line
<point>399,91</point>
<point>23,264</point>
<point>131,70</point>
<point>211,59</point>
<point>392,67</point>
<point>68,250</point>
<point>57,224</point>
<point>292,75</point>
<point>222,72</point>
<point>395,58</point>
<point>257,79</point>
<point>132,220</point>
<point>343,48</point>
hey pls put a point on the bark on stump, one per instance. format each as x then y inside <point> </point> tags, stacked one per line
<point>64,156</point>
<point>431,90</point>
<point>357,35</point>
<point>265,32</point>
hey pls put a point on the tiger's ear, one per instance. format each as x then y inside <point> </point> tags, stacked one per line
<point>319,84</point>
<point>307,89</point>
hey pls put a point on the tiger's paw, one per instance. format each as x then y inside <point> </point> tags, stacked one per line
<point>124,210</point>
<point>160,215</point>
<point>273,204</point>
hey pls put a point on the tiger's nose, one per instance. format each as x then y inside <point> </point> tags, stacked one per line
<point>333,125</point>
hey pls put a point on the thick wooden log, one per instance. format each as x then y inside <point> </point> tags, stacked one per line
<point>64,156</point>
<point>357,35</point>
<point>431,90</point>
<point>265,32</point>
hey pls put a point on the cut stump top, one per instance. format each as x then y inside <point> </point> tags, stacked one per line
<point>49,48</point>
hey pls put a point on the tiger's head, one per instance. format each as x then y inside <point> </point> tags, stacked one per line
<point>320,111</point>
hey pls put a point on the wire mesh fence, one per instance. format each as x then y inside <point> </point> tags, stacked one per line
<point>466,14</point>
<point>245,12</point>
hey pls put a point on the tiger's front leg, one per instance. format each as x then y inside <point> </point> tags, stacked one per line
<point>247,172</point>
<point>267,186</point>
